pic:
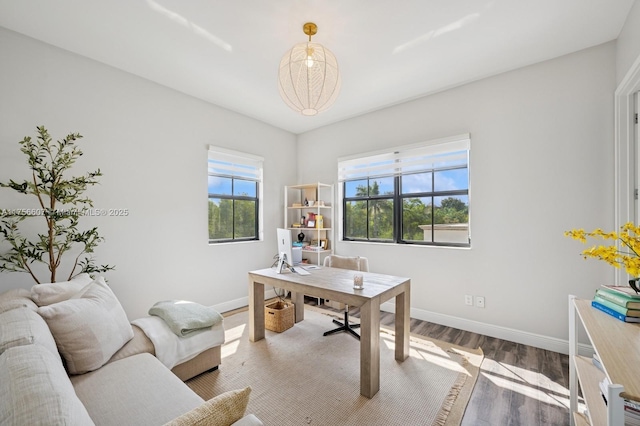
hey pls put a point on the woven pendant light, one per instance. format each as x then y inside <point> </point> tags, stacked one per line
<point>308,77</point>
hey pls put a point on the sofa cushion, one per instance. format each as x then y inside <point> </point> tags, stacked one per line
<point>35,390</point>
<point>89,328</point>
<point>140,344</point>
<point>16,298</point>
<point>23,326</point>
<point>46,294</point>
<point>137,390</point>
<point>223,410</point>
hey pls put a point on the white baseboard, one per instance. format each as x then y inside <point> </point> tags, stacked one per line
<point>510,334</point>
<point>240,303</point>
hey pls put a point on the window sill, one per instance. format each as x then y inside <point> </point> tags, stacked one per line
<point>226,243</point>
<point>404,245</point>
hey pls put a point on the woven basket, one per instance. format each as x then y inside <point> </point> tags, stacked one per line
<point>279,316</point>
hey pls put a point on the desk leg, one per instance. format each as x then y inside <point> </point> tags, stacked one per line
<point>256,311</point>
<point>370,348</point>
<point>298,302</point>
<point>403,326</point>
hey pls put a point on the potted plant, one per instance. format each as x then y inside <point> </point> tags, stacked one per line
<point>61,203</point>
<point>627,256</point>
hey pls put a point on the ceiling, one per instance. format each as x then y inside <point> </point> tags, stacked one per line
<point>227,52</point>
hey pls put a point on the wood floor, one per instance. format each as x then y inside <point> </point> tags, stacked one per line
<point>518,384</point>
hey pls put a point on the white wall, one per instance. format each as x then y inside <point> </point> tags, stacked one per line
<point>541,163</point>
<point>151,144</point>
<point>628,43</point>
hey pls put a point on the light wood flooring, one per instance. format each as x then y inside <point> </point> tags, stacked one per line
<point>518,384</point>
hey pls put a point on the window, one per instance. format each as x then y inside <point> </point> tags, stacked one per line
<point>235,188</point>
<point>417,194</point>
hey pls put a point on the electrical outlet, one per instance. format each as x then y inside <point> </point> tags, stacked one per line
<point>480,301</point>
<point>468,300</point>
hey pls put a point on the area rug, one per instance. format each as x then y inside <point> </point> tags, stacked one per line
<point>300,377</point>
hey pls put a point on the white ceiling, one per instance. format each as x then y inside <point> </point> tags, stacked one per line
<point>228,52</point>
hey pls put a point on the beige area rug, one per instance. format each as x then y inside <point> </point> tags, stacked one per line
<point>300,377</point>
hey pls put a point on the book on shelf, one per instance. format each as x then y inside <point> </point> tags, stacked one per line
<point>614,313</point>
<point>624,290</point>
<point>630,420</point>
<point>631,413</point>
<point>634,405</point>
<point>618,298</point>
<point>617,308</point>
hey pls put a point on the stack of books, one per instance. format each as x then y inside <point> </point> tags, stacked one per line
<point>631,412</point>
<point>619,302</point>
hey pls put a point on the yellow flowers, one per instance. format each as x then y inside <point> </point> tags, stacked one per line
<point>626,256</point>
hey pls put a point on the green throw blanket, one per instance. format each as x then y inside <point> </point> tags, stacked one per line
<point>184,318</point>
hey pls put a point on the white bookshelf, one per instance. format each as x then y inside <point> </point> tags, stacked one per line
<point>617,344</point>
<point>320,199</point>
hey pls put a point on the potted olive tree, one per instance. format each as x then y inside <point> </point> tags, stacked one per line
<point>61,203</point>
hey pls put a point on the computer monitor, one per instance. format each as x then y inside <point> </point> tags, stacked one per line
<point>285,258</point>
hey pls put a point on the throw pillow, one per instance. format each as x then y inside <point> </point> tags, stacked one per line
<point>16,298</point>
<point>35,389</point>
<point>23,326</point>
<point>223,410</point>
<point>46,294</point>
<point>89,328</point>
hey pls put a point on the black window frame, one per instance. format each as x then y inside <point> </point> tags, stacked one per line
<point>235,167</point>
<point>235,198</point>
<point>367,199</point>
<point>398,199</point>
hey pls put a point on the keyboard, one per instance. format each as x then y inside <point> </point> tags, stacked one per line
<point>300,271</point>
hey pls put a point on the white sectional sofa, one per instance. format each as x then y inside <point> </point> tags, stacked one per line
<point>56,368</point>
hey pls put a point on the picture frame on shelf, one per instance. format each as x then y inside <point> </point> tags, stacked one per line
<point>311,224</point>
<point>323,244</point>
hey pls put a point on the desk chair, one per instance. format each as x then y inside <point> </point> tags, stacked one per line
<point>356,264</point>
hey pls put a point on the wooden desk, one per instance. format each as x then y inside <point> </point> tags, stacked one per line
<point>337,284</point>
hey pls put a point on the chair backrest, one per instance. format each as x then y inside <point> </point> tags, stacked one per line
<point>345,262</point>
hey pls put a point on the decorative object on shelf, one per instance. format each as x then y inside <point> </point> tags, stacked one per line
<point>311,224</point>
<point>320,203</point>
<point>309,80</point>
<point>322,244</point>
<point>306,202</point>
<point>319,221</point>
<point>300,237</point>
<point>629,236</point>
